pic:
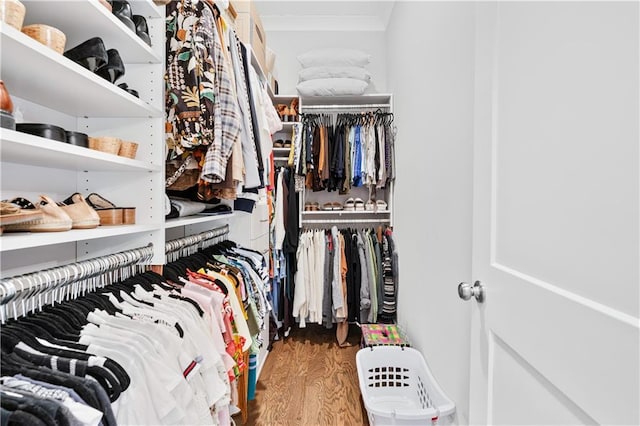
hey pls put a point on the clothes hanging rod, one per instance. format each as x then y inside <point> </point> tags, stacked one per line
<point>195,239</point>
<point>346,106</point>
<point>344,221</point>
<point>36,283</point>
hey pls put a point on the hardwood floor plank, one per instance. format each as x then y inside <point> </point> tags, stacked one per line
<point>308,379</point>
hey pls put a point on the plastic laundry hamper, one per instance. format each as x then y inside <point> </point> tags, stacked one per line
<point>398,388</point>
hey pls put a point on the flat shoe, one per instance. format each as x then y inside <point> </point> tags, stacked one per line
<point>91,54</point>
<point>349,205</point>
<point>369,205</point>
<point>12,213</point>
<point>114,69</point>
<point>359,204</point>
<point>53,219</point>
<point>80,212</point>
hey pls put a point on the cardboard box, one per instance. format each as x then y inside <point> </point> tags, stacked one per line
<point>249,29</point>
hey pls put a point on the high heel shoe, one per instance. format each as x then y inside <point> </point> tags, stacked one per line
<point>280,108</point>
<point>91,54</point>
<point>293,110</point>
<point>114,69</point>
<point>142,30</point>
<point>122,10</point>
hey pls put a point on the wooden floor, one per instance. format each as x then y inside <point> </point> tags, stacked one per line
<point>308,379</point>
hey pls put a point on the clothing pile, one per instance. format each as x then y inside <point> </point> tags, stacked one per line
<point>219,115</point>
<point>150,349</point>
<point>333,72</point>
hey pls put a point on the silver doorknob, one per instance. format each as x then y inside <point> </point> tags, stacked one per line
<point>466,291</point>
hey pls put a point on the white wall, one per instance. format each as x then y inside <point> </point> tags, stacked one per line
<point>430,56</point>
<point>289,44</point>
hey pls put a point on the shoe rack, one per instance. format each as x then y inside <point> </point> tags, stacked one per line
<point>49,88</point>
<point>328,208</point>
<point>281,153</point>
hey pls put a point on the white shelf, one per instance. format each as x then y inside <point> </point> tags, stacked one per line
<point>281,149</point>
<point>68,87</point>
<point>345,212</point>
<point>82,20</point>
<point>284,98</point>
<point>23,148</point>
<point>192,220</point>
<point>22,240</point>
<point>147,8</point>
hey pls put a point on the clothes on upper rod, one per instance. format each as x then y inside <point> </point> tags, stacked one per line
<point>351,151</point>
<point>215,105</point>
<point>140,351</point>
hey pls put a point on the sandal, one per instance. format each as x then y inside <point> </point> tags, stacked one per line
<point>109,213</point>
<point>349,205</point>
<point>11,214</point>
<point>381,206</point>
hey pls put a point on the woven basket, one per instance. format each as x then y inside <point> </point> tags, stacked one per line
<point>107,144</point>
<point>128,149</point>
<point>49,36</point>
<point>12,12</point>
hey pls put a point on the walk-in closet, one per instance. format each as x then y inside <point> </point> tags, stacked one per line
<point>261,212</point>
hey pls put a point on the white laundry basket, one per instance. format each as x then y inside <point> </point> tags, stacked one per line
<point>398,388</point>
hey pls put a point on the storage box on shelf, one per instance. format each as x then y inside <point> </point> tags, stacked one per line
<point>49,88</point>
<point>249,29</point>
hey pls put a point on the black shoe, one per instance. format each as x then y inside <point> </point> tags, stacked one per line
<point>114,69</point>
<point>91,54</point>
<point>142,30</point>
<point>125,87</point>
<point>122,10</point>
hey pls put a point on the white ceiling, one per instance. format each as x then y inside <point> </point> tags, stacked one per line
<point>327,15</point>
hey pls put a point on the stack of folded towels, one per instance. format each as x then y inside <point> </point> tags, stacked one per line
<point>333,72</point>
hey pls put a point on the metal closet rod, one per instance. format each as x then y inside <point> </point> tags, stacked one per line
<point>347,221</point>
<point>195,239</point>
<point>303,108</point>
<point>59,276</point>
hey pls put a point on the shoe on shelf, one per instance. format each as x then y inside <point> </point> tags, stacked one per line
<point>280,108</point>
<point>126,88</point>
<point>142,30</point>
<point>80,212</point>
<point>278,143</point>
<point>359,204</point>
<point>91,54</point>
<point>293,110</point>
<point>122,10</point>
<point>381,206</point>
<point>52,217</point>
<point>114,68</point>
<point>350,205</point>
<point>11,214</point>
<point>336,205</point>
<point>327,206</point>
<point>109,213</point>
<point>369,206</point>
<point>287,144</point>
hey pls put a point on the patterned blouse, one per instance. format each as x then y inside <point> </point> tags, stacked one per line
<point>201,104</point>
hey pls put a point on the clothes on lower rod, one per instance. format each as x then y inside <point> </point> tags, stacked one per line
<point>345,274</point>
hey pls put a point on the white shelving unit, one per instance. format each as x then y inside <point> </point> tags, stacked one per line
<point>49,88</point>
<point>345,104</point>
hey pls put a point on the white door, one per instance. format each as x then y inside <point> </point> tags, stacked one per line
<point>556,214</point>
